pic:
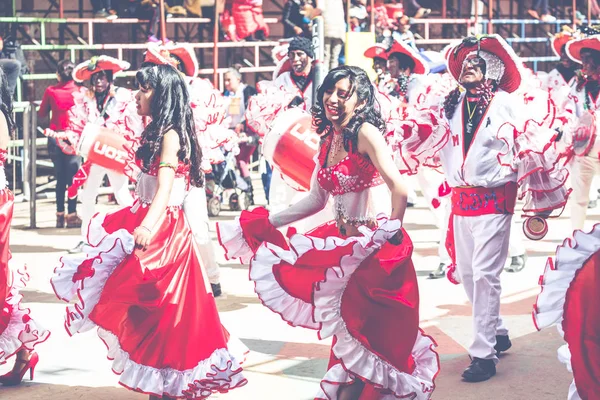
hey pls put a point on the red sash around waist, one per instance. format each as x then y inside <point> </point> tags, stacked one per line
<point>473,202</point>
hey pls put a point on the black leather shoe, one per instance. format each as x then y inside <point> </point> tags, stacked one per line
<point>440,272</point>
<point>503,343</point>
<point>216,289</point>
<point>480,370</point>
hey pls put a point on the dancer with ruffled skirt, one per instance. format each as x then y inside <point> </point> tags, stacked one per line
<point>569,299</point>
<point>19,334</point>
<point>351,279</point>
<point>141,283</point>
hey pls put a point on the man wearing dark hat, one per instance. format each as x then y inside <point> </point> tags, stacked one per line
<point>301,74</point>
<point>492,148</point>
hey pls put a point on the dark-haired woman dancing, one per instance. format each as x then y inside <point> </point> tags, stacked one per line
<point>18,332</point>
<point>351,278</point>
<point>141,283</point>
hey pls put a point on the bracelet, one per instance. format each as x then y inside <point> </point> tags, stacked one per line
<point>144,227</point>
<point>167,165</point>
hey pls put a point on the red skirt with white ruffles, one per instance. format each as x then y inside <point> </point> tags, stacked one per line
<point>17,330</point>
<point>361,290</point>
<point>153,308</point>
<point>569,299</point>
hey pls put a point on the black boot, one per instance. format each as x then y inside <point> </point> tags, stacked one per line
<point>216,289</point>
<point>503,343</point>
<point>480,370</point>
<point>250,190</point>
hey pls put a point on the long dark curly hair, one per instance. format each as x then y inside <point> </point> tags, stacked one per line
<point>365,92</point>
<point>6,106</point>
<point>171,109</point>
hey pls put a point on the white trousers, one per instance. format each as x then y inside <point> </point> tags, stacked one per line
<point>583,171</point>
<point>573,394</point>
<point>196,214</point>
<point>481,251</point>
<point>119,184</point>
<point>332,51</point>
<point>515,245</point>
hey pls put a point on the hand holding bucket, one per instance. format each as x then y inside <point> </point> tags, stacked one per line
<point>105,148</point>
<point>291,145</point>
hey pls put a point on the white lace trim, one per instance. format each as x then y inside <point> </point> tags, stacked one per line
<point>21,331</point>
<point>219,373</point>
<point>556,281</point>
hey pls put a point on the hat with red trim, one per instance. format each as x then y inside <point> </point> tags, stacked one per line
<point>86,69</point>
<point>187,55</point>
<point>377,51</point>
<point>592,42</point>
<point>402,47</point>
<point>502,63</point>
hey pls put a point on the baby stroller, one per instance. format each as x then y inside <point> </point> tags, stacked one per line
<point>225,186</point>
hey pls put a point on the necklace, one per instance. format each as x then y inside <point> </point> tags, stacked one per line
<point>337,143</point>
<point>471,114</point>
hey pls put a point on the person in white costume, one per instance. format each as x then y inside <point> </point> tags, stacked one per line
<point>582,105</point>
<point>491,152</point>
<point>103,105</point>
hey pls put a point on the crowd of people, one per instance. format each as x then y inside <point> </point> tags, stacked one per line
<point>479,134</point>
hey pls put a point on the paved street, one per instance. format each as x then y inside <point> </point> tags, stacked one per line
<point>287,363</point>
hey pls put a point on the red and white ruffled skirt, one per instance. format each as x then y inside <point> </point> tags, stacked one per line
<point>360,290</point>
<point>570,300</point>
<point>17,330</point>
<point>154,309</point>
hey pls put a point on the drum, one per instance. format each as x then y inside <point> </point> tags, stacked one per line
<point>103,147</point>
<point>291,146</point>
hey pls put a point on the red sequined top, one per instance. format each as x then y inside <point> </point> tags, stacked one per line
<point>354,173</point>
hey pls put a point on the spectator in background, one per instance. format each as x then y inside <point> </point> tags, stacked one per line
<point>404,33</point>
<point>334,30</point>
<point>59,100</point>
<point>420,12</point>
<point>248,18</point>
<point>358,16</point>
<point>295,22</point>
<point>543,6</point>
<point>383,23</point>
<point>238,94</point>
<point>11,68</point>
<point>103,9</point>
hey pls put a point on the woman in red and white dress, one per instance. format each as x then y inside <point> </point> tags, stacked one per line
<point>18,332</point>
<point>569,299</point>
<point>351,278</point>
<point>141,282</point>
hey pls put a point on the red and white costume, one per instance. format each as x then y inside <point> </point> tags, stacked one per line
<point>569,300</point>
<point>153,308</point>
<point>359,289</point>
<point>17,330</point>
<point>118,114</point>
<point>510,156</point>
<point>587,165</point>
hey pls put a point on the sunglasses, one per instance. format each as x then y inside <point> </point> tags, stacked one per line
<point>475,62</point>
